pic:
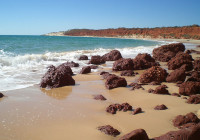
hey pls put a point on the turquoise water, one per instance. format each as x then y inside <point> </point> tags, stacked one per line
<point>41,44</point>
<point>24,59</point>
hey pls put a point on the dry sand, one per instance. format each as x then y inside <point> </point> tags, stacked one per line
<point>72,113</point>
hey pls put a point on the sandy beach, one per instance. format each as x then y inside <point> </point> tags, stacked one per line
<point>71,112</point>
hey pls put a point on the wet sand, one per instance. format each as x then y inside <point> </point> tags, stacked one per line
<point>71,112</point>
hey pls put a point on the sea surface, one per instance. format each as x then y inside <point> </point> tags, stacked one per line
<point>24,59</point>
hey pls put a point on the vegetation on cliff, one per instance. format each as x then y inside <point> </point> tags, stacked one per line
<point>184,32</point>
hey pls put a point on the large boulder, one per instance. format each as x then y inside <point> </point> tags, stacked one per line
<point>85,70</point>
<point>176,75</point>
<point>144,61</point>
<point>112,56</point>
<point>154,73</point>
<point>189,88</point>
<point>123,64</point>
<point>166,52</point>
<point>57,77</point>
<point>1,95</point>
<point>138,134</point>
<point>179,60</point>
<point>114,81</point>
<point>182,121</point>
<point>97,60</point>
<point>191,133</point>
<point>160,107</point>
<point>197,65</point>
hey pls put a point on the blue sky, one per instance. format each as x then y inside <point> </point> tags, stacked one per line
<point>37,17</point>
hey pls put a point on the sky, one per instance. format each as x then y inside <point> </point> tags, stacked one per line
<point>36,17</point>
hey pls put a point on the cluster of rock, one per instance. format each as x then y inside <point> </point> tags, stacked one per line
<point>113,108</point>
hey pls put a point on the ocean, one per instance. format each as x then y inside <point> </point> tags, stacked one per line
<point>24,59</point>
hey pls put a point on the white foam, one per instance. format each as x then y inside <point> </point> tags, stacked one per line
<point>26,70</point>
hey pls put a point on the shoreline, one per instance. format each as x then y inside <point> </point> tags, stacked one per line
<point>35,113</point>
<point>192,41</point>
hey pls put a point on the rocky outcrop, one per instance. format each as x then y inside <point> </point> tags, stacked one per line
<point>166,52</point>
<point>85,70</point>
<point>83,57</point>
<point>114,81</point>
<point>112,56</point>
<point>99,97</point>
<point>154,73</point>
<point>176,75</point>
<point>189,88</point>
<point>144,61</point>
<point>179,60</point>
<point>197,65</point>
<point>160,107</point>
<point>138,134</point>
<point>97,60</point>
<point>182,121</point>
<point>57,77</point>
<point>127,73</point>
<point>194,99</point>
<point>113,108</point>
<point>123,64</point>
<point>191,133</point>
<point>109,130</point>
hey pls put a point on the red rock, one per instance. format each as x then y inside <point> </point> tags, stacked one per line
<point>57,77</point>
<point>138,134</point>
<point>154,73</point>
<point>194,99</point>
<point>114,81</point>
<point>161,90</point>
<point>160,107</point>
<point>180,121</point>
<point>99,97</point>
<point>191,133</point>
<point>176,75</point>
<point>137,110</point>
<point>105,74</point>
<point>135,86</point>
<point>93,67</point>
<point>97,60</point>
<point>176,94</point>
<point>85,70</point>
<point>123,64</point>
<point>71,64</point>
<point>155,83</point>
<point>197,65</point>
<point>195,76</point>
<point>151,90</point>
<point>109,130</point>
<point>112,56</point>
<point>144,61</point>
<point>113,108</point>
<point>1,95</point>
<point>179,60</point>
<point>166,52</point>
<point>127,73</point>
<point>126,107</point>
<point>189,88</point>
<point>83,57</point>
